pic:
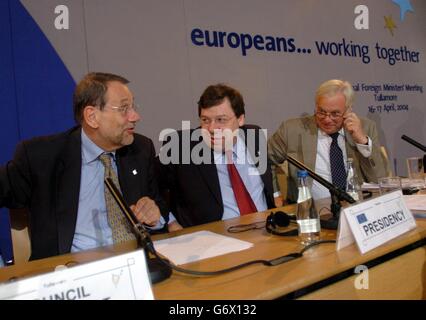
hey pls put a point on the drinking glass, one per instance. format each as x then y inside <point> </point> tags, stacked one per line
<point>416,173</point>
<point>388,184</point>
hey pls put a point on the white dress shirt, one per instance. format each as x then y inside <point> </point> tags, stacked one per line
<point>322,163</point>
<point>249,174</point>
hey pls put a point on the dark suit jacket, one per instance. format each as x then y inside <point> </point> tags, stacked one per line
<point>44,176</point>
<point>194,189</point>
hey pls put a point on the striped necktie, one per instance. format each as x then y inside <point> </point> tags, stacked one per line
<point>121,229</point>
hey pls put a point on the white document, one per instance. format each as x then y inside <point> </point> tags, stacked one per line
<point>417,204</point>
<point>374,222</point>
<point>197,246</point>
<point>120,277</point>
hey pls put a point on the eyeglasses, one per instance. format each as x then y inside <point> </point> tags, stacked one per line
<point>219,120</point>
<point>321,114</point>
<point>125,109</point>
<point>246,227</point>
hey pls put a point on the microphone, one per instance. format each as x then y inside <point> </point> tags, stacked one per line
<point>161,269</point>
<point>158,269</point>
<point>342,195</point>
<point>336,194</point>
<point>414,142</point>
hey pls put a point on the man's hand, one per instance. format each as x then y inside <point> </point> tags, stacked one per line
<point>279,201</point>
<point>146,211</point>
<point>352,124</point>
<point>174,226</point>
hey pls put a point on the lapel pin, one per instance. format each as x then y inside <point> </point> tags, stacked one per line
<point>135,172</point>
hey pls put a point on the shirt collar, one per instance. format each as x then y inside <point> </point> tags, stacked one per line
<point>323,134</point>
<point>90,150</point>
<point>238,151</point>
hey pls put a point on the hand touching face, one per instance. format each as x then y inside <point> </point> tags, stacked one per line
<point>353,125</point>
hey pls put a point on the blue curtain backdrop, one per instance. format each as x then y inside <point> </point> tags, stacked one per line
<point>35,90</point>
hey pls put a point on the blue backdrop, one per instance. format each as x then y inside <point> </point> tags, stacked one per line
<point>35,90</point>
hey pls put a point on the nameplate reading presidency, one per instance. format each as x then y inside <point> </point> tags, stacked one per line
<point>116,278</point>
<point>374,222</point>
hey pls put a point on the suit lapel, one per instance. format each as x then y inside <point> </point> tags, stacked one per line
<point>266,176</point>
<point>254,152</point>
<point>309,143</point>
<point>208,172</point>
<point>68,176</point>
<point>129,171</point>
<point>350,148</point>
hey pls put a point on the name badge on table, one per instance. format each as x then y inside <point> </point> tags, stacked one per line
<point>120,277</point>
<point>374,222</point>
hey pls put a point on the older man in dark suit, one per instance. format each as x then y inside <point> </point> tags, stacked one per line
<point>60,178</point>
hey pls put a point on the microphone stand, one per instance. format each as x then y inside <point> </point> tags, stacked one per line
<point>158,270</point>
<point>417,145</point>
<point>336,195</point>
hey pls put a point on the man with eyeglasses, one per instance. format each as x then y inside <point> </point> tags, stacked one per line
<point>60,178</point>
<point>325,140</point>
<point>228,174</point>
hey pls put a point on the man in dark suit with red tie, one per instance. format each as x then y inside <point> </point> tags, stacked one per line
<point>220,170</point>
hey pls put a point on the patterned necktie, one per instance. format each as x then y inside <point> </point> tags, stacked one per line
<point>244,201</point>
<point>121,229</point>
<point>338,171</point>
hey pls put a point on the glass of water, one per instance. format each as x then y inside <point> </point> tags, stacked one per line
<point>416,173</point>
<point>389,184</point>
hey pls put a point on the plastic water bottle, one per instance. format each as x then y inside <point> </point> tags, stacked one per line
<point>306,215</point>
<point>352,186</point>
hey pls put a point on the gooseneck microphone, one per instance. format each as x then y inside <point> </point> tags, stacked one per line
<point>158,270</point>
<point>335,193</point>
<point>414,142</point>
<point>343,195</point>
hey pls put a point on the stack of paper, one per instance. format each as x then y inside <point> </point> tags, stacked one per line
<point>417,204</point>
<point>197,246</point>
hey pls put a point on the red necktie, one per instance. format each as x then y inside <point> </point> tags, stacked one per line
<point>244,201</point>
